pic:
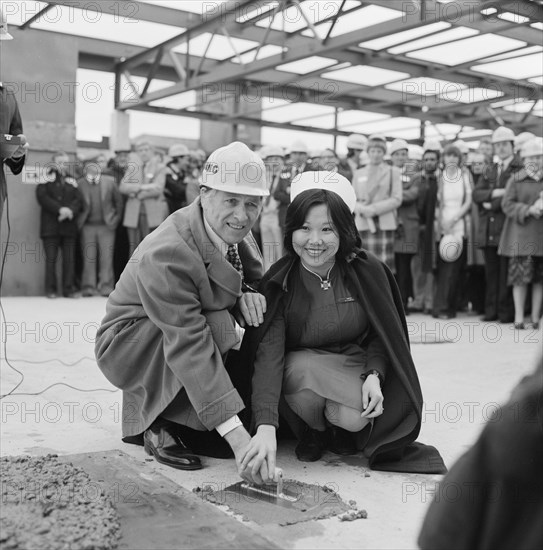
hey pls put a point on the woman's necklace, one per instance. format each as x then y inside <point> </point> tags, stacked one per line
<point>325,283</point>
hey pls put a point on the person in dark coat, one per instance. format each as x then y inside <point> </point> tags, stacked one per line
<point>333,351</point>
<point>10,123</point>
<point>488,194</point>
<point>175,189</point>
<point>170,324</point>
<point>407,233</point>
<point>492,497</point>
<point>296,165</point>
<point>61,202</point>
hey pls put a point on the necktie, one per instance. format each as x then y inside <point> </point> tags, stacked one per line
<point>233,257</point>
<point>500,169</point>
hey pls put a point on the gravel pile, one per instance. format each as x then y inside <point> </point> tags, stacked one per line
<point>48,504</point>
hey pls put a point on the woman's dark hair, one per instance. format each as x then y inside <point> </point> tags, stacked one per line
<point>340,216</point>
<point>453,151</point>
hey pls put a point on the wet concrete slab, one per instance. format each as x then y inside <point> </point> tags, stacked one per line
<point>155,512</point>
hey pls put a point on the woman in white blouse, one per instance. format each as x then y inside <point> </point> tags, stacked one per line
<point>453,204</point>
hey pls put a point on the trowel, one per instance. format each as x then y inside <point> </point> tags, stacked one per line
<point>272,493</point>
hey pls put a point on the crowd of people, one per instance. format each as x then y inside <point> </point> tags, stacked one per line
<point>461,229</point>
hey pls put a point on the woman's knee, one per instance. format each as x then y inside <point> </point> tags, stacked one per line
<point>344,417</point>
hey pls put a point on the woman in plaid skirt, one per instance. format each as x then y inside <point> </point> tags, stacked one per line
<point>378,189</point>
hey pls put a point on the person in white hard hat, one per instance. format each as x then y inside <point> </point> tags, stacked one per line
<point>271,233</point>
<point>407,233</point>
<point>488,194</point>
<point>10,123</point>
<point>175,189</point>
<point>298,163</point>
<point>356,144</point>
<point>334,341</point>
<point>171,320</point>
<point>522,236</point>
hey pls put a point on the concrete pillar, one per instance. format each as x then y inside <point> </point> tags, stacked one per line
<point>119,139</point>
<point>228,99</point>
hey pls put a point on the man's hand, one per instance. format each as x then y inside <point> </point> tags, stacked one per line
<point>239,439</point>
<point>372,397</point>
<point>252,306</point>
<point>487,205</point>
<point>65,213</point>
<point>497,193</point>
<point>535,211</point>
<point>260,455</point>
<point>22,149</point>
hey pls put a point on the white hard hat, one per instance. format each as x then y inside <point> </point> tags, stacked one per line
<point>271,151</point>
<point>415,152</point>
<point>397,145</point>
<point>462,145</point>
<point>4,34</point>
<point>357,141</point>
<point>432,145</point>
<point>178,150</point>
<point>234,168</point>
<point>522,138</point>
<point>450,248</point>
<point>299,147</point>
<point>503,134</point>
<point>328,181</point>
<point>532,148</point>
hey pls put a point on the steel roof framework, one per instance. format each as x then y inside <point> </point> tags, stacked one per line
<point>260,77</point>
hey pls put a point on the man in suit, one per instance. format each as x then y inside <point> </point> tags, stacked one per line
<point>488,194</point>
<point>296,165</point>
<point>146,207</point>
<point>61,202</point>
<point>102,210</point>
<point>169,323</point>
<point>10,123</point>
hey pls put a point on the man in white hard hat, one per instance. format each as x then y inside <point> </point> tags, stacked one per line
<point>297,164</point>
<point>10,124</point>
<point>271,233</point>
<point>170,322</point>
<point>175,189</point>
<point>488,194</point>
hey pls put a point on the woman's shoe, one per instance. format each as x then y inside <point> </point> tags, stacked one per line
<point>310,446</point>
<point>519,326</point>
<point>535,325</point>
<point>341,441</point>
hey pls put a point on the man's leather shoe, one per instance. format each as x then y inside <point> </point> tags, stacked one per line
<point>310,446</point>
<point>341,441</point>
<point>168,448</point>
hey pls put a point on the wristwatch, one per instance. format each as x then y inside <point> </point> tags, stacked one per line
<point>376,372</point>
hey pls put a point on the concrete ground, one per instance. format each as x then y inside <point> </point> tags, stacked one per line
<point>464,379</point>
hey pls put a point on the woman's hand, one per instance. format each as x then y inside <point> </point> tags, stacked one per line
<point>260,454</point>
<point>372,397</point>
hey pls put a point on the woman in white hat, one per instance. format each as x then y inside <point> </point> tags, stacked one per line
<point>522,235</point>
<point>334,343</point>
<point>378,189</point>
